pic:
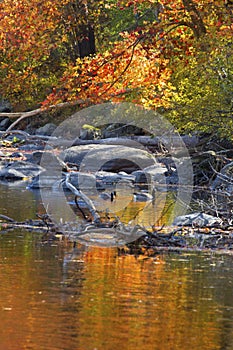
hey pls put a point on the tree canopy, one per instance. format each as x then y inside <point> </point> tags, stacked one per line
<point>175,57</point>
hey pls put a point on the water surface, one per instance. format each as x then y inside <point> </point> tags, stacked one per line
<point>55,297</point>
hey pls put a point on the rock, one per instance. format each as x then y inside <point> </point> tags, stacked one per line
<point>52,175</point>
<point>224,180</point>
<point>19,170</point>
<point>83,181</point>
<point>16,137</point>
<point>140,177</point>
<point>16,155</point>
<point>4,124</point>
<point>46,130</point>
<point>31,147</point>
<point>5,106</point>
<point>109,178</point>
<point>89,132</point>
<point>169,162</point>
<point>154,173</point>
<point>3,154</point>
<point>172,178</point>
<point>48,180</point>
<point>36,156</point>
<point>113,158</point>
<point>196,219</point>
<point>117,130</point>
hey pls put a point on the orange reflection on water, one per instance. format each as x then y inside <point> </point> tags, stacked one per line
<point>54,297</point>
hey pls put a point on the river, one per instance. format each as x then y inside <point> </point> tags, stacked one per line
<point>56,297</point>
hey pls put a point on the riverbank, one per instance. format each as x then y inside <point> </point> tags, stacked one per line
<point>45,160</point>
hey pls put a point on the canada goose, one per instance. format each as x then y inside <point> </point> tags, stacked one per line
<point>142,197</point>
<point>107,196</point>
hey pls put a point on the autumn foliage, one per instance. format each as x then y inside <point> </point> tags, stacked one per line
<point>172,56</point>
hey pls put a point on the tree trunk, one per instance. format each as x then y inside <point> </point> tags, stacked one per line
<point>197,23</point>
<point>87,44</point>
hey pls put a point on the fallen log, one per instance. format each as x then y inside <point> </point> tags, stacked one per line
<point>23,115</point>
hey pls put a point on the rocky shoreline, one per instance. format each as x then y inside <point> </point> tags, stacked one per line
<point>140,162</point>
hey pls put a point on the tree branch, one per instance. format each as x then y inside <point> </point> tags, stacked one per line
<point>87,200</point>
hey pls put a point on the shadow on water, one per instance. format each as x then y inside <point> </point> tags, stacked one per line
<point>54,297</point>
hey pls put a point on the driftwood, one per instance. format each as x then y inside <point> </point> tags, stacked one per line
<point>23,115</point>
<point>86,199</point>
<point>7,218</point>
<point>27,136</point>
<point>149,141</point>
<point>167,238</point>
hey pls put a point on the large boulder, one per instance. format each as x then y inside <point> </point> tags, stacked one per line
<point>46,130</point>
<point>113,158</point>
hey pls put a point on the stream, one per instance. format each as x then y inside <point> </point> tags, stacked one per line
<point>56,297</point>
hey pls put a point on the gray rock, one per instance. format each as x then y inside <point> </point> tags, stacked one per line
<point>118,130</point>
<point>5,106</point>
<point>20,170</point>
<point>196,219</point>
<point>2,154</point>
<point>16,155</point>
<point>140,177</point>
<point>52,175</point>
<point>4,124</point>
<point>36,156</point>
<point>16,137</point>
<point>48,180</point>
<point>172,178</point>
<point>31,147</point>
<point>154,173</point>
<point>110,178</point>
<point>169,162</point>
<point>46,130</point>
<point>89,132</point>
<point>83,181</point>
<point>113,158</point>
<point>224,180</point>
<point>107,178</point>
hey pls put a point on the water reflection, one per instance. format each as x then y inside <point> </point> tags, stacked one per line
<point>17,202</point>
<point>54,297</point>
